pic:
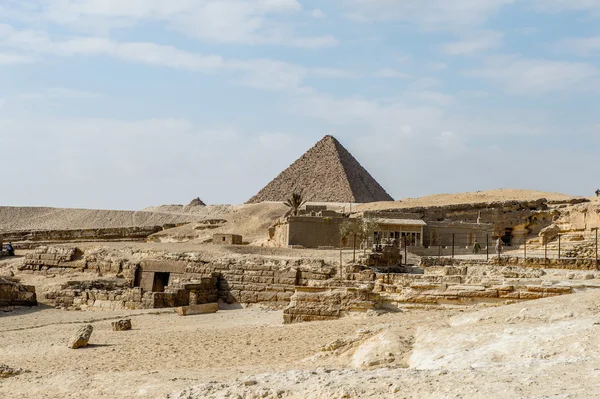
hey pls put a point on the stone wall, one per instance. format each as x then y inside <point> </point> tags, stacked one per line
<point>13,293</point>
<point>244,280</point>
<point>523,217</point>
<point>440,285</point>
<point>32,238</point>
<point>540,263</point>
<point>316,304</point>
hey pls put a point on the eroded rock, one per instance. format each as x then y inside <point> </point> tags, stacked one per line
<point>82,337</point>
<point>121,325</point>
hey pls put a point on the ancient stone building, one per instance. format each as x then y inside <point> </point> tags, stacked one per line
<point>326,173</point>
<point>227,239</point>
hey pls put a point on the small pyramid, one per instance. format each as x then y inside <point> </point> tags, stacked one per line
<point>325,173</point>
<point>196,202</point>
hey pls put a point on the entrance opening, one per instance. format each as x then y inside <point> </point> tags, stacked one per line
<point>508,236</point>
<point>161,280</point>
<point>137,281</point>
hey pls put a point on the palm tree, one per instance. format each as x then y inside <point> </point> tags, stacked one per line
<point>294,203</point>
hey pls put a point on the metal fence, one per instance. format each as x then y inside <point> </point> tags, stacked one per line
<point>484,246</point>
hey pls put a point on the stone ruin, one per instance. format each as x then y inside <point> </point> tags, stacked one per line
<point>13,293</point>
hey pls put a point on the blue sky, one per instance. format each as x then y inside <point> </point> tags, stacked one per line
<point>126,104</point>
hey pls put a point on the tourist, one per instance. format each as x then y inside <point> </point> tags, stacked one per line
<point>597,192</point>
<point>476,247</point>
<point>10,249</point>
<point>499,245</point>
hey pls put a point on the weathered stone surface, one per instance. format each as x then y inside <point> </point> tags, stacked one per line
<point>81,337</point>
<point>197,309</point>
<point>6,371</point>
<point>13,293</point>
<point>121,325</point>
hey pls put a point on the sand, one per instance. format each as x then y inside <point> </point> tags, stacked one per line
<point>539,349</point>
<point>166,353</point>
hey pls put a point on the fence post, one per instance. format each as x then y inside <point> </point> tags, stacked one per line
<point>546,251</point>
<point>452,245</point>
<point>487,247</point>
<point>341,264</point>
<point>559,246</point>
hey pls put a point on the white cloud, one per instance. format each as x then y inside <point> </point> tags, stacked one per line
<point>222,21</point>
<point>317,13</point>
<point>477,41</point>
<point>427,14</point>
<point>93,154</point>
<point>314,42</point>
<point>436,66</point>
<point>60,93</point>
<point>452,143</point>
<point>566,5</point>
<point>15,59</point>
<point>435,97</point>
<point>260,73</point>
<point>585,46</point>
<point>391,73</point>
<point>524,75</point>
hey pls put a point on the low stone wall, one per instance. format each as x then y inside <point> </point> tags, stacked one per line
<point>117,294</point>
<point>541,263</point>
<point>32,238</point>
<point>364,290</point>
<point>233,280</point>
<point>316,304</point>
<point>13,293</point>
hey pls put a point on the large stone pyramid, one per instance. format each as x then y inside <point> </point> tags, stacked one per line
<point>325,173</point>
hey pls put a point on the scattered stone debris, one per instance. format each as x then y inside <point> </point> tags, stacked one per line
<point>6,371</point>
<point>121,325</point>
<point>82,337</point>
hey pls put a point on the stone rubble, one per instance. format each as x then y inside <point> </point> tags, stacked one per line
<point>81,337</point>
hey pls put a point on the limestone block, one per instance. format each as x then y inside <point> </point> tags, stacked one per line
<point>425,286</point>
<point>197,309</point>
<point>531,295</point>
<point>82,337</point>
<point>121,325</point>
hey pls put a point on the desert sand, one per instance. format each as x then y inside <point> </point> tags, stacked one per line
<point>545,348</point>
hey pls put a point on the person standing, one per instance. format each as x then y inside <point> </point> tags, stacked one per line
<point>499,246</point>
<point>476,247</point>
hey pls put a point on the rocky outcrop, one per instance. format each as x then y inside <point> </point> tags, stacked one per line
<point>549,233</point>
<point>81,337</point>
<point>13,293</point>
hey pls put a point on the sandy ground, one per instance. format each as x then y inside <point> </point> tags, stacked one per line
<point>166,353</point>
<point>466,198</point>
<point>539,349</point>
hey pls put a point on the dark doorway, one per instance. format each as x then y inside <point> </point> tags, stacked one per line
<point>137,281</point>
<point>508,236</point>
<point>161,280</point>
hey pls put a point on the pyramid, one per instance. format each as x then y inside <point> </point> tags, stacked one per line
<point>325,173</point>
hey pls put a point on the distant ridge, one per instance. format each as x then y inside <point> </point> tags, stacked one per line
<point>325,173</point>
